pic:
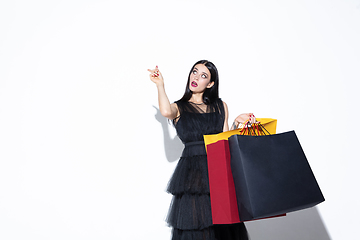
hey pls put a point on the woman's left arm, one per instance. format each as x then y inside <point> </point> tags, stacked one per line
<point>226,125</point>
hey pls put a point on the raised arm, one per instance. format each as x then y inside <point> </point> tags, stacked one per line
<point>168,110</point>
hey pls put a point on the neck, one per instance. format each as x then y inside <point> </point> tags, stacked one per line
<point>197,98</point>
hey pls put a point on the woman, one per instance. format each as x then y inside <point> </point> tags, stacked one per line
<point>199,112</point>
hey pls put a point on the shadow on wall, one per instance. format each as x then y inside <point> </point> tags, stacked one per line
<point>173,146</point>
<point>305,224</point>
<point>301,225</point>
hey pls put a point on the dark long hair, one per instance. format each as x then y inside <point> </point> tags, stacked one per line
<point>210,94</point>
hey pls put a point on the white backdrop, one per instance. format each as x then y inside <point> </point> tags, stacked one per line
<point>81,148</point>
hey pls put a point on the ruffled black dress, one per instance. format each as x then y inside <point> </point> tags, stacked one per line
<point>190,210</point>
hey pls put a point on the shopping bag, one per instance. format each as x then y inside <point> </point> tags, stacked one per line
<point>271,175</point>
<point>268,123</point>
<point>224,208</point>
<point>222,190</point>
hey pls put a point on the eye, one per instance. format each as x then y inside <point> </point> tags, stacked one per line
<point>194,71</point>
<point>203,76</point>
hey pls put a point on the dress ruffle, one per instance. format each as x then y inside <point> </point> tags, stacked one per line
<point>190,176</point>
<point>205,234</point>
<point>189,212</point>
<point>217,232</point>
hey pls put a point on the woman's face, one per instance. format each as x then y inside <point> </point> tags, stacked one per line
<point>200,79</point>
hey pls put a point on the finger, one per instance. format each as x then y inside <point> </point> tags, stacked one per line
<point>154,73</point>
<point>252,118</point>
<point>255,121</point>
<point>154,70</point>
<point>249,117</point>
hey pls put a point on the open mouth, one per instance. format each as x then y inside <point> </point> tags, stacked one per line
<point>194,84</point>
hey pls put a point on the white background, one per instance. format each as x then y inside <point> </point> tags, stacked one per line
<point>81,151</point>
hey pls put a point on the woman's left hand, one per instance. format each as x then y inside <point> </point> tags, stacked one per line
<point>242,118</point>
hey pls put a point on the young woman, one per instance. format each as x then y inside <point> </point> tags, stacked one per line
<point>199,112</point>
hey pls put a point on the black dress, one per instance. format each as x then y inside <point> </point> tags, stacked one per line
<point>190,210</point>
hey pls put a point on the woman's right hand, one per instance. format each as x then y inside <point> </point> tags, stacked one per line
<point>155,76</point>
<point>168,110</point>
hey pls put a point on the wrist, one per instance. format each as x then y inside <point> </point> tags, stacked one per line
<point>234,125</point>
<point>160,85</point>
<point>238,124</point>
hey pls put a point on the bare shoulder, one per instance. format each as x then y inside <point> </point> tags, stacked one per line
<point>174,106</point>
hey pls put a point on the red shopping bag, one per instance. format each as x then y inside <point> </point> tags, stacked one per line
<point>222,190</point>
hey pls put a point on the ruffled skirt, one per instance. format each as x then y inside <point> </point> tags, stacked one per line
<point>190,210</point>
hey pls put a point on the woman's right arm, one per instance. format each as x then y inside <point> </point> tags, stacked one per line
<point>168,110</point>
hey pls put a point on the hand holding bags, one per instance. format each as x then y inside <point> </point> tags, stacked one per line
<point>271,175</point>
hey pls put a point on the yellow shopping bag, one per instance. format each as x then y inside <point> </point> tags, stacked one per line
<point>268,123</point>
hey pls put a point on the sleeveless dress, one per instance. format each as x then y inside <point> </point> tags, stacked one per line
<point>190,210</point>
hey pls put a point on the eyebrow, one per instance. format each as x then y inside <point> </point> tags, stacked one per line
<point>203,72</point>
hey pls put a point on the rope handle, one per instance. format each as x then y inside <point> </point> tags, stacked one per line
<point>255,129</point>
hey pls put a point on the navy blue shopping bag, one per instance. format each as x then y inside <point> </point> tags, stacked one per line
<point>271,175</point>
